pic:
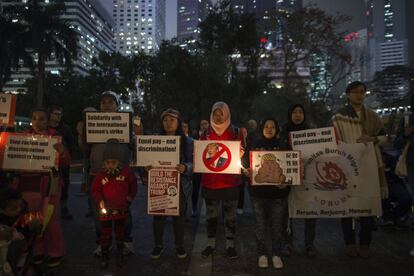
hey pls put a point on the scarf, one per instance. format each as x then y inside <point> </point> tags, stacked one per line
<point>220,128</point>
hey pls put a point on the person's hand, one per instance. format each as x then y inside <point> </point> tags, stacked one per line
<point>181,168</point>
<point>366,139</point>
<point>59,148</point>
<point>408,130</point>
<point>138,130</point>
<point>384,192</point>
<point>246,172</point>
<point>148,168</point>
<point>17,236</point>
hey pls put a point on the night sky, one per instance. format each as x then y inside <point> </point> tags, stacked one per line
<point>353,8</point>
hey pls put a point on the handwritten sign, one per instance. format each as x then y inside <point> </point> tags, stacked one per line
<point>100,127</point>
<point>27,152</point>
<point>7,109</point>
<point>164,192</point>
<point>159,151</point>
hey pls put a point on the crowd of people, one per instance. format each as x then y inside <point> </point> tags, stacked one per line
<point>28,241</point>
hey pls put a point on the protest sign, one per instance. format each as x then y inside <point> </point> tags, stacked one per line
<point>102,126</point>
<point>159,151</point>
<point>164,192</point>
<point>317,136</point>
<point>7,109</point>
<point>217,157</point>
<point>275,168</point>
<point>340,181</point>
<point>28,152</point>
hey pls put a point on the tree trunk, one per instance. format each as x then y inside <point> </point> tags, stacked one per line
<point>40,78</point>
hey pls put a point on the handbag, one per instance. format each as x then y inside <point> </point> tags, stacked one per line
<point>401,167</point>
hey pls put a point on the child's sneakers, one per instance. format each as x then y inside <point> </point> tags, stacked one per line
<point>54,261</point>
<point>181,254</point>
<point>98,251</point>
<point>277,262</point>
<point>262,262</point>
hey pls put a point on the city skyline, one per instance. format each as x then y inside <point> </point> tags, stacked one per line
<point>347,7</point>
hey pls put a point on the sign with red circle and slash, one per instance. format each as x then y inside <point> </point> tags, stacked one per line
<point>217,157</point>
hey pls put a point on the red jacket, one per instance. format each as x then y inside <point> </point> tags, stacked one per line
<point>221,181</point>
<point>114,191</point>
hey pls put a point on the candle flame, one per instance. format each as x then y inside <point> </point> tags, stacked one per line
<point>103,210</point>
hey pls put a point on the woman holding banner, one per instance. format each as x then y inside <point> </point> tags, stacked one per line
<point>269,202</point>
<point>42,193</point>
<point>221,188</point>
<point>296,122</point>
<point>171,125</point>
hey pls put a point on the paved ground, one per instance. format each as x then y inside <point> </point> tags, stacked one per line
<point>390,248</point>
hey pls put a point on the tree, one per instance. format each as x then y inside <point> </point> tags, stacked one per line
<point>12,48</point>
<point>393,85</point>
<point>305,33</point>
<point>48,35</point>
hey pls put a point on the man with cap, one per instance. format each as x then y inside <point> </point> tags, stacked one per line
<point>113,190</point>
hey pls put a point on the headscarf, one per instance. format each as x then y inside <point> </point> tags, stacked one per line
<point>220,128</point>
<point>290,126</point>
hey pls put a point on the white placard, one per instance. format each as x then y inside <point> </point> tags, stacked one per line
<point>158,150</point>
<point>101,126</point>
<point>316,136</point>
<point>28,152</point>
<point>7,109</point>
<point>217,157</point>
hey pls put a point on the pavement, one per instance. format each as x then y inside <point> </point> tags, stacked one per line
<point>390,247</point>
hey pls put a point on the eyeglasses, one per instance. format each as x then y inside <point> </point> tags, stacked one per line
<point>358,92</point>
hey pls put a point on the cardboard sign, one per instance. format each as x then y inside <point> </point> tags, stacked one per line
<point>164,192</point>
<point>28,152</point>
<point>217,157</point>
<point>340,181</point>
<point>7,109</point>
<point>275,168</point>
<point>158,151</point>
<point>317,136</point>
<point>101,126</point>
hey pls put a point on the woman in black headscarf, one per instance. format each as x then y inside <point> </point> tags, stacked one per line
<point>296,122</point>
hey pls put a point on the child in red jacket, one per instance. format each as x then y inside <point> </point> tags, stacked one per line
<point>113,189</point>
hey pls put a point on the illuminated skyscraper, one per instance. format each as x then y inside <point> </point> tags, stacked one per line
<point>140,25</point>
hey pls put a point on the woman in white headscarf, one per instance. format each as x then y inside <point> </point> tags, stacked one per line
<point>221,188</point>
